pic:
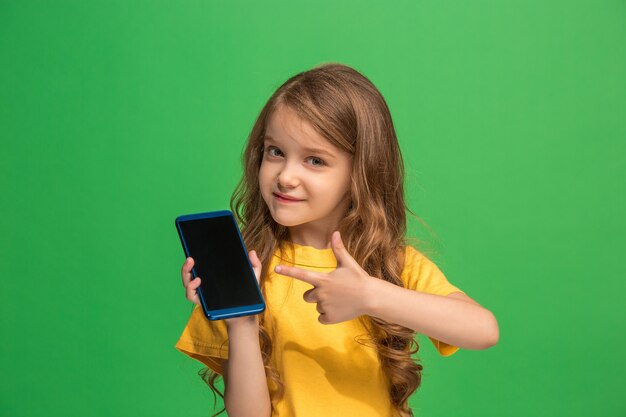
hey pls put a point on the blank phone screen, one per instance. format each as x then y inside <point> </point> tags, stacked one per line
<point>221,262</point>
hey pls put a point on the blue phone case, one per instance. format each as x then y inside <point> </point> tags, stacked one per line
<point>216,234</point>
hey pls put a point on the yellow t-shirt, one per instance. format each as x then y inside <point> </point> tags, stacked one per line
<point>325,371</point>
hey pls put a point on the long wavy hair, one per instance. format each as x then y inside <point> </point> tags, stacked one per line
<point>349,111</point>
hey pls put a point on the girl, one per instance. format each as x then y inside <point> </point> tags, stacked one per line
<point>321,203</point>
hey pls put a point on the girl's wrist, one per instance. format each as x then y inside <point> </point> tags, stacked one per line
<point>245,323</point>
<point>371,295</point>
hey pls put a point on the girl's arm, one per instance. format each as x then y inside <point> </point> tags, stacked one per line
<point>349,291</point>
<point>456,319</point>
<point>245,385</point>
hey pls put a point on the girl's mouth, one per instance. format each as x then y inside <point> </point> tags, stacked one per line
<point>285,200</point>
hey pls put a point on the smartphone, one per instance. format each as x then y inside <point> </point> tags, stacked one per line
<point>229,287</point>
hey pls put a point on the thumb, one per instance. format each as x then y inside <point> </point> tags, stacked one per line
<point>256,264</point>
<point>339,249</point>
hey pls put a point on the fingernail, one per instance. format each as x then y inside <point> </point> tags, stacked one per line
<point>278,269</point>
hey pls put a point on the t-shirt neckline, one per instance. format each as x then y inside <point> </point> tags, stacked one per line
<point>308,256</point>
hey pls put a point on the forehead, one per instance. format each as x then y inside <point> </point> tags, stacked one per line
<point>285,126</point>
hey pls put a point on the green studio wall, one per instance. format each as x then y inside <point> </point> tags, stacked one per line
<point>117,116</point>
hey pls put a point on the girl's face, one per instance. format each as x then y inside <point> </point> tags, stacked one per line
<point>304,179</point>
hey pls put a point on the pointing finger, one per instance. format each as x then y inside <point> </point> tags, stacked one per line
<point>309,277</point>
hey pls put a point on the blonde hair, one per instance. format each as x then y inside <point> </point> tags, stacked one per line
<point>349,111</point>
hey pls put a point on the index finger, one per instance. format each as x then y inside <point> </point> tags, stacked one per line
<point>305,275</point>
<point>186,271</point>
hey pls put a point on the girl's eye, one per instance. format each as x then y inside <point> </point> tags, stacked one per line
<point>273,151</point>
<point>315,161</point>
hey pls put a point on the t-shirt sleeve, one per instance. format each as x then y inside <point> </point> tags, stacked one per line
<point>421,274</point>
<point>204,340</point>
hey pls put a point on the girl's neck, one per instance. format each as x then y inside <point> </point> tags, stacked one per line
<point>308,237</point>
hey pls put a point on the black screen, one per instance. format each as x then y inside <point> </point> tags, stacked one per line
<point>221,262</point>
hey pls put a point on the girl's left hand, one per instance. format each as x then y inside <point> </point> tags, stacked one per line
<point>340,295</point>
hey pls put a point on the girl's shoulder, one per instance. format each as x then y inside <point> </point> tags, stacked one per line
<point>416,264</point>
<point>422,274</point>
<point>413,255</point>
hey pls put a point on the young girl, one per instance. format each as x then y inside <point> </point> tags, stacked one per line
<point>321,205</point>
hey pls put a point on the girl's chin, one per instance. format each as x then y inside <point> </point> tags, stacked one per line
<point>286,221</point>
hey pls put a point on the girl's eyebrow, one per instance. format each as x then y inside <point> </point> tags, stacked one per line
<point>308,150</point>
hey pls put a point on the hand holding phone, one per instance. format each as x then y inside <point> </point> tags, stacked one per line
<point>191,284</point>
<point>228,284</point>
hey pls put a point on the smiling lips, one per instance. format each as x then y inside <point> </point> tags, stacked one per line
<point>285,198</point>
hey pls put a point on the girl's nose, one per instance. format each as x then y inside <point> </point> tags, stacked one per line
<point>287,177</point>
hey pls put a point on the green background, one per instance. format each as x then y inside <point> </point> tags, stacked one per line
<point>117,116</point>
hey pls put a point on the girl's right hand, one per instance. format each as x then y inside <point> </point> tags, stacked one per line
<point>191,285</point>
